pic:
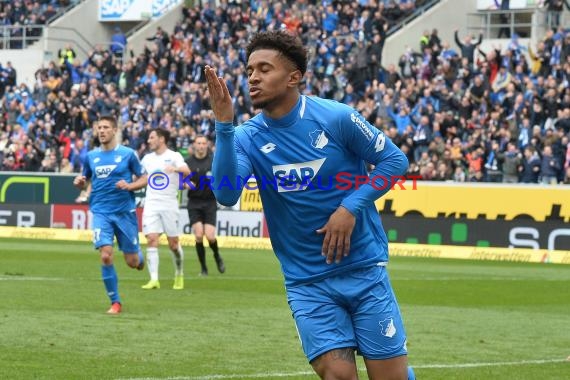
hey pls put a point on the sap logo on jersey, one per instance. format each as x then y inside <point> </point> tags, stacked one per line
<point>294,177</point>
<point>103,171</point>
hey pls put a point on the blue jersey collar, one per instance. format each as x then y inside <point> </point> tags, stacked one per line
<point>289,119</point>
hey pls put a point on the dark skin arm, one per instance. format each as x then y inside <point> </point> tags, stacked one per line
<point>337,235</point>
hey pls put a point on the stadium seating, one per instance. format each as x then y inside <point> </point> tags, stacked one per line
<point>454,112</point>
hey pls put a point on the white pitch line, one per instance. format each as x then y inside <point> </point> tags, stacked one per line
<point>490,364</point>
<point>307,373</point>
<point>27,278</point>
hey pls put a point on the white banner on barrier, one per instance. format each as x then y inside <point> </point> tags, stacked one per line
<point>231,223</point>
<point>160,7</point>
<point>124,10</point>
<point>514,4</point>
<point>134,10</point>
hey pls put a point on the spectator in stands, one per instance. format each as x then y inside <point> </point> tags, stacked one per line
<point>8,75</point>
<point>530,168</point>
<point>467,46</point>
<point>549,167</point>
<point>511,161</point>
<point>118,42</point>
<point>504,5</point>
<point>66,55</point>
<point>493,164</point>
<point>555,9</point>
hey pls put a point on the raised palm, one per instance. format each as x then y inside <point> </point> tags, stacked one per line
<point>220,98</point>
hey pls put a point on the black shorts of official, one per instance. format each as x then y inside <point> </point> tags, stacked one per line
<point>202,211</point>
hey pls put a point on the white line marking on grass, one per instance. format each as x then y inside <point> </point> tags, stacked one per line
<point>27,278</point>
<point>310,373</point>
<point>489,364</point>
<point>225,277</point>
<point>267,375</point>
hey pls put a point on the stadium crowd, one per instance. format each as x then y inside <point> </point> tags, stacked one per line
<point>23,17</point>
<point>459,113</point>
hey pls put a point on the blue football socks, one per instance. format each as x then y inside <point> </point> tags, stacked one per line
<point>411,374</point>
<point>111,282</point>
<point>141,260</point>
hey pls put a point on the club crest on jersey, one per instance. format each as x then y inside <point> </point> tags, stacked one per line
<point>387,327</point>
<point>103,171</point>
<point>318,139</point>
<point>118,159</point>
<point>96,159</point>
<point>296,177</point>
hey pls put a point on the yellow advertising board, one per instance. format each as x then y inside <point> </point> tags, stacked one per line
<point>523,255</point>
<point>250,200</point>
<point>479,200</point>
<point>433,199</point>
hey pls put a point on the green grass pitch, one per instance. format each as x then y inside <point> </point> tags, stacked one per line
<point>465,319</point>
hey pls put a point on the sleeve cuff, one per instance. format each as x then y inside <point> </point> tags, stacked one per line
<point>353,209</point>
<point>224,126</point>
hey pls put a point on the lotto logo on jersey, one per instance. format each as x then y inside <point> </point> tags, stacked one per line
<point>294,177</point>
<point>103,171</point>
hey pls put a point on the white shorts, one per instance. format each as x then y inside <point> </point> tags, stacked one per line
<point>159,222</point>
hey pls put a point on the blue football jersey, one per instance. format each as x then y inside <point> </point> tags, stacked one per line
<point>307,164</point>
<point>105,168</point>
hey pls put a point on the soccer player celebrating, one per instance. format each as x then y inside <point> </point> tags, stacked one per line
<point>202,205</point>
<point>161,211</point>
<point>111,168</point>
<point>329,240</point>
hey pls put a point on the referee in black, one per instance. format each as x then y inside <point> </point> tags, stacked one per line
<point>202,205</point>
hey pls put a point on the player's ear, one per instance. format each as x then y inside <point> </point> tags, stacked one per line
<point>295,78</point>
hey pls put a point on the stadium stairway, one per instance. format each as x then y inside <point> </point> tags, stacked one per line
<point>80,27</point>
<point>444,15</point>
<point>464,15</point>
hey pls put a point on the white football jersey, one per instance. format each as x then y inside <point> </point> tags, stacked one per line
<point>162,188</point>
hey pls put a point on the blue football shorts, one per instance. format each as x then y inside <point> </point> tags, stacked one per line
<point>123,225</point>
<point>355,309</point>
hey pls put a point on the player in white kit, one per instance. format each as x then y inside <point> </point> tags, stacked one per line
<point>161,210</point>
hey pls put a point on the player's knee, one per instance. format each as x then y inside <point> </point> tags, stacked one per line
<point>173,245</point>
<point>106,256</point>
<point>337,364</point>
<point>391,369</point>
<point>132,260</point>
<point>337,373</point>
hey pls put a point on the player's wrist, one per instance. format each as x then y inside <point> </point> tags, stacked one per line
<point>221,125</point>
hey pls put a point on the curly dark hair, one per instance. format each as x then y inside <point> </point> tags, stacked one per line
<point>284,42</point>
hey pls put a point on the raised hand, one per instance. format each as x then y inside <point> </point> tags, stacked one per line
<point>220,98</point>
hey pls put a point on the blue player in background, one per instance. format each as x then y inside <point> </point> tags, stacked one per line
<point>328,236</point>
<point>111,169</point>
